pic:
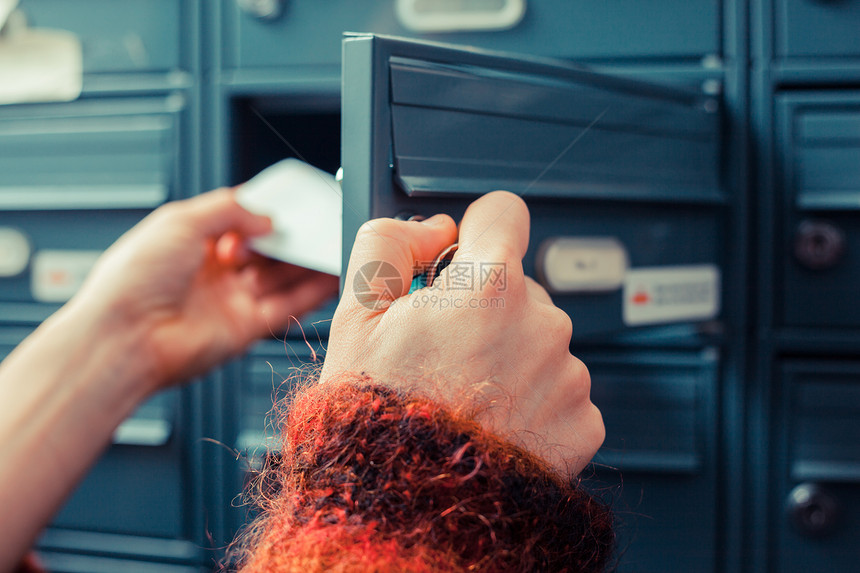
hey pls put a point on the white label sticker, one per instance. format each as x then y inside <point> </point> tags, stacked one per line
<point>57,275</point>
<point>458,16</point>
<point>656,295</point>
<point>582,264</point>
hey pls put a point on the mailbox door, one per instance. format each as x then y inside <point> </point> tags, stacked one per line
<point>817,462</point>
<point>623,175</point>
<point>820,154</point>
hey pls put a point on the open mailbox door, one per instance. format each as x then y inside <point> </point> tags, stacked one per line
<point>622,177</point>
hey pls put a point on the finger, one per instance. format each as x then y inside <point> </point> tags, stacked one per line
<point>495,228</point>
<point>385,254</point>
<point>268,276</point>
<point>278,307</point>
<point>214,213</point>
<point>231,250</point>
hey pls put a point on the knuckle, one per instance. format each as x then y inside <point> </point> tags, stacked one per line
<point>170,208</point>
<point>558,323</point>
<point>582,373</point>
<point>388,230</point>
<point>508,282</point>
<point>564,324</point>
<point>515,206</point>
<point>368,229</point>
<point>580,376</point>
<point>384,226</point>
<point>537,289</point>
<point>599,426</point>
<point>592,429</point>
<point>504,252</point>
<point>170,212</point>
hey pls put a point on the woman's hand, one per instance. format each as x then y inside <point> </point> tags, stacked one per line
<point>184,282</point>
<point>173,297</point>
<point>493,343</point>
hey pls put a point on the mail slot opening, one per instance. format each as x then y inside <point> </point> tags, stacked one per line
<point>266,130</point>
<point>269,129</point>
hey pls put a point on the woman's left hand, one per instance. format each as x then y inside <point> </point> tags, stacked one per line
<point>185,281</point>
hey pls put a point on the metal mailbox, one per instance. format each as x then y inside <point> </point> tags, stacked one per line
<point>103,153</point>
<point>307,33</point>
<point>817,463</point>
<point>658,465</point>
<point>806,28</point>
<point>820,160</point>
<point>604,163</point>
<point>128,36</point>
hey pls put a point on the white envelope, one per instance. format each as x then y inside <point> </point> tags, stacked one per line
<point>306,208</point>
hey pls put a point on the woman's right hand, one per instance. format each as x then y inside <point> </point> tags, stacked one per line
<point>493,345</point>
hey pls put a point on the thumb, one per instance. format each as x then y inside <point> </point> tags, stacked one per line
<point>216,212</point>
<point>386,253</point>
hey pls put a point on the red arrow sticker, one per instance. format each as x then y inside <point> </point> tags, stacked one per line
<point>641,297</point>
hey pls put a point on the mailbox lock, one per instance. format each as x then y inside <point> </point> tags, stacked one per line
<point>812,510</point>
<point>819,245</point>
<point>262,9</point>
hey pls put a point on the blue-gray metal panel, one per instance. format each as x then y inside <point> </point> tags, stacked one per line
<point>684,229</point>
<point>87,230</point>
<point>70,563</point>
<point>663,523</point>
<point>824,298</point>
<point>834,125</point>
<point>124,154</point>
<point>308,33</point>
<point>563,132</point>
<point>810,28</point>
<point>819,142</point>
<point>827,157</point>
<point>653,236</point>
<point>10,337</point>
<point>112,544</point>
<point>116,35</point>
<point>454,133</point>
<point>658,465</point>
<point>566,94</point>
<point>460,153</point>
<point>828,177</point>
<point>134,490</point>
<point>825,436</point>
<point>141,484</point>
<point>151,424</point>
<point>270,372</point>
<point>655,412</point>
<point>818,407</point>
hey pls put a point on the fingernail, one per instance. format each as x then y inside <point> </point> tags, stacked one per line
<point>266,222</point>
<point>434,220</point>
